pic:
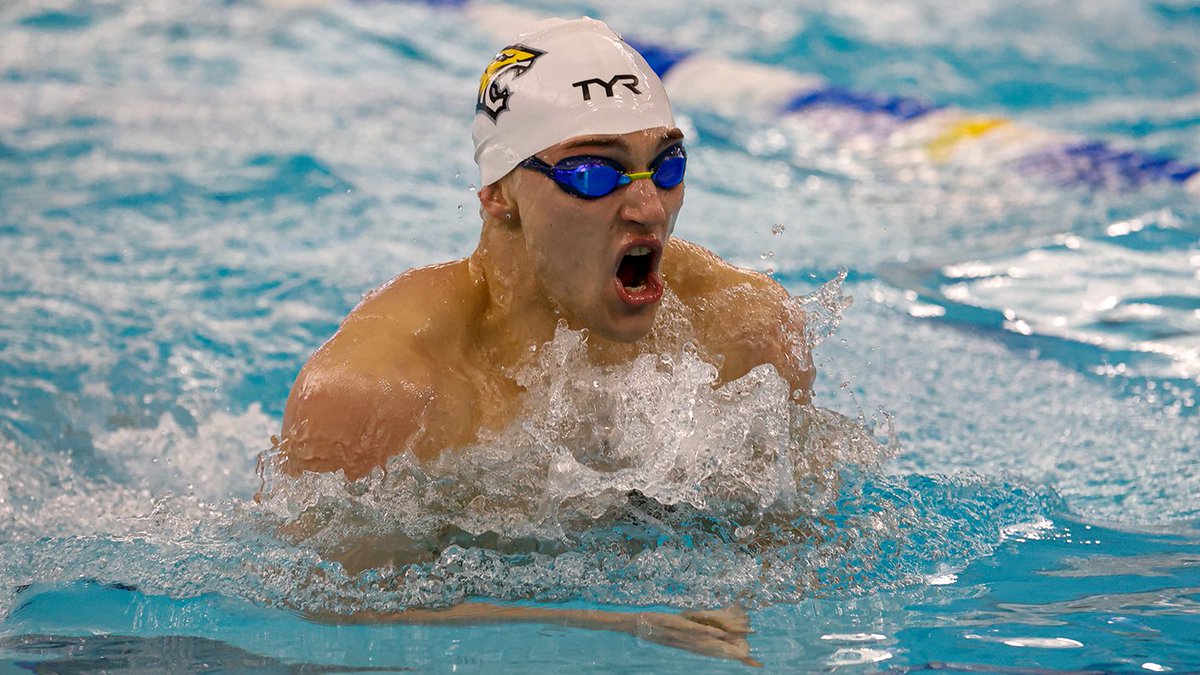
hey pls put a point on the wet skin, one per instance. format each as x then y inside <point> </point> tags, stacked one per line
<point>424,363</point>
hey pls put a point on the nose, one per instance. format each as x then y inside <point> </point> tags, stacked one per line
<point>642,203</point>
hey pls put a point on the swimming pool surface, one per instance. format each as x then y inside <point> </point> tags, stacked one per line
<point>193,195</point>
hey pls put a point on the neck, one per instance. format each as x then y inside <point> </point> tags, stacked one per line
<point>517,315</point>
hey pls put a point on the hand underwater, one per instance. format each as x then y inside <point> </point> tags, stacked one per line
<point>720,632</point>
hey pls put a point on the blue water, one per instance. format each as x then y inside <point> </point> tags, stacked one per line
<point>191,197</point>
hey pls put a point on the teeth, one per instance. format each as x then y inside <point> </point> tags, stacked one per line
<point>639,250</point>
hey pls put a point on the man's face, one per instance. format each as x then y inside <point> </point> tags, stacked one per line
<point>599,259</point>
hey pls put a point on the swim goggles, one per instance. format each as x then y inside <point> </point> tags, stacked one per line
<point>590,177</point>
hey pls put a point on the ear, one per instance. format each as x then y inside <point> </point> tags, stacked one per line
<point>496,201</point>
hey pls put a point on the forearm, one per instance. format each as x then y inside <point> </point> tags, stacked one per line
<point>720,633</point>
<point>483,613</point>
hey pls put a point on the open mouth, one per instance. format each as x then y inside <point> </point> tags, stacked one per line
<point>636,280</point>
<point>635,267</point>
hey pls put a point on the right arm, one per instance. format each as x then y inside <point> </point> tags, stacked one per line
<point>359,400</point>
<point>384,383</point>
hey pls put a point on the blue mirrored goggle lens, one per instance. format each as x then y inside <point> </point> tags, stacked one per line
<point>669,171</point>
<point>590,179</point>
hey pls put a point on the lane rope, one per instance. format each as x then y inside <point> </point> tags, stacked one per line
<point>938,134</point>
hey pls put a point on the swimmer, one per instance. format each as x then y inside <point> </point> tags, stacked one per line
<point>582,168</point>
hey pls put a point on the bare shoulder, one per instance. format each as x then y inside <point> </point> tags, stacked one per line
<point>372,390</point>
<point>744,318</point>
<point>694,271</point>
<point>420,303</point>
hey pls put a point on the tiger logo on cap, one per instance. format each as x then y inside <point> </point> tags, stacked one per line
<point>493,94</point>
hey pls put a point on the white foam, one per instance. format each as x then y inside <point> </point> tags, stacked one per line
<point>213,461</point>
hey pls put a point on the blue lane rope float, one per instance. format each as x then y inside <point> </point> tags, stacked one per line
<point>939,133</point>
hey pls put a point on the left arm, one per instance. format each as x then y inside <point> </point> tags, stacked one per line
<point>720,633</point>
<point>770,330</point>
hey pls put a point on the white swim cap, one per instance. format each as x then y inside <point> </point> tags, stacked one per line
<point>558,80</point>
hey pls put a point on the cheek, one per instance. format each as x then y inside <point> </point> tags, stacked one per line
<point>567,240</point>
<point>555,247</point>
<point>570,257</point>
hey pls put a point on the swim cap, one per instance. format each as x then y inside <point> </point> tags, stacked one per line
<point>559,80</point>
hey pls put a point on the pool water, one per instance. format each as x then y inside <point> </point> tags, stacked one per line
<point>1006,421</point>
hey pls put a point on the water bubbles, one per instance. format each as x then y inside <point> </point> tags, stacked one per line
<point>769,256</point>
<point>777,229</point>
<point>665,362</point>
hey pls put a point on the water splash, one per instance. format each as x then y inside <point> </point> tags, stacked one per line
<point>642,483</point>
<point>638,483</point>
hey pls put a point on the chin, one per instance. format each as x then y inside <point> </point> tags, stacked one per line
<point>627,336</point>
<point>628,329</point>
